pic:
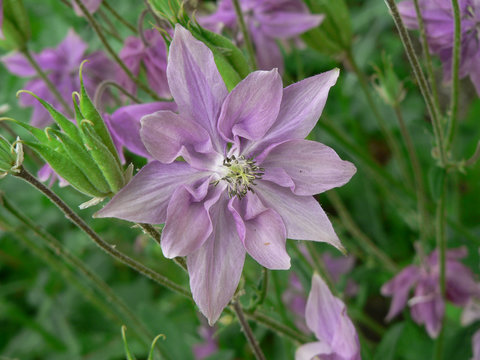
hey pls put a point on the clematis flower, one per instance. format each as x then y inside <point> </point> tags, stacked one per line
<point>91,5</point>
<point>427,305</point>
<point>267,21</point>
<point>153,55</point>
<point>439,26</point>
<point>61,65</point>
<point>248,177</point>
<point>327,317</point>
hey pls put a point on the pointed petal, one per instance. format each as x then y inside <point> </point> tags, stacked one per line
<point>303,216</point>
<point>312,166</point>
<point>428,306</point>
<point>216,267</point>
<point>252,106</point>
<point>262,232</point>
<point>71,50</point>
<point>145,198</point>
<point>195,83</point>
<point>310,350</point>
<point>188,222</point>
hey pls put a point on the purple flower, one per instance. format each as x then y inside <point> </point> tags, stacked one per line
<point>248,177</point>
<point>209,347</point>
<point>327,317</point>
<point>427,306</point>
<point>62,66</point>
<point>439,25</point>
<point>267,21</point>
<point>91,5</point>
<point>152,55</point>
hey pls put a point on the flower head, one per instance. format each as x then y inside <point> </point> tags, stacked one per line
<point>327,317</point>
<point>248,177</point>
<point>267,21</point>
<point>427,305</point>
<point>439,26</point>
<point>62,65</point>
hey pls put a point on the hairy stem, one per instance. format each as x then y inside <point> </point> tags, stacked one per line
<point>246,34</point>
<point>248,331</point>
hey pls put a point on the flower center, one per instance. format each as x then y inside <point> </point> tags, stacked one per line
<point>240,175</point>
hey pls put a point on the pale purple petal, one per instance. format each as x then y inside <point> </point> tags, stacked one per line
<point>195,83</point>
<point>288,24</point>
<point>209,346</point>
<point>310,350</point>
<point>312,166</point>
<point>17,64</point>
<point>460,283</point>
<point>252,106</point>
<point>399,287</point>
<point>262,231</point>
<point>303,216</point>
<point>216,267</point>
<point>132,55</point>
<point>268,54</point>
<point>145,198</point>
<point>471,312</point>
<point>72,50</point>
<point>476,345</point>
<point>91,5</point>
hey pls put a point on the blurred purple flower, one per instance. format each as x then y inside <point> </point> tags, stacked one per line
<point>427,306</point>
<point>61,65</point>
<point>439,26</point>
<point>152,55</point>
<point>267,21</point>
<point>296,300</point>
<point>327,317</point>
<point>232,143</point>
<point>207,348</point>
<point>476,345</point>
<point>338,266</point>
<point>91,5</point>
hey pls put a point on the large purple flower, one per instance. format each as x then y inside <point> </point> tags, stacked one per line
<point>427,305</point>
<point>327,317</point>
<point>439,24</point>
<point>267,21</point>
<point>62,65</point>
<point>248,177</point>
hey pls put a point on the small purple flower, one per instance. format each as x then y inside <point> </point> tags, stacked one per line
<point>427,306</point>
<point>248,177</point>
<point>91,5</point>
<point>207,348</point>
<point>267,21</point>
<point>152,55</point>
<point>439,25</point>
<point>327,317</point>
<point>61,65</point>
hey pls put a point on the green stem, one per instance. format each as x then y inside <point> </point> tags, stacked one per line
<point>118,16</point>
<point>246,34</point>
<point>46,80</point>
<point>452,123</point>
<point>112,251</point>
<point>422,82</point>
<point>360,236</point>
<point>104,85</point>
<point>390,138</point>
<point>248,331</point>
<point>112,53</point>
<point>110,28</point>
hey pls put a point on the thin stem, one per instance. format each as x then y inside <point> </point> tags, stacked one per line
<point>390,138</point>
<point>452,123</point>
<point>46,80</point>
<point>141,19</point>
<point>118,16</point>
<point>422,82</point>
<point>246,34</point>
<point>426,53</point>
<point>417,174</point>
<point>104,85</point>
<point>112,53</point>
<point>248,331</point>
<point>474,158</point>
<point>112,251</point>
<point>110,27</point>
<point>360,236</point>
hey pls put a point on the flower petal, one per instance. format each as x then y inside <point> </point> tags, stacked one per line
<point>268,54</point>
<point>303,216</point>
<point>428,307</point>
<point>216,267</point>
<point>312,166</point>
<point>195,83</point>
<point>310,350</point>
<point>286,24</point>
<point>252,106</point>
<point>262,232</point>
<point>145,198</point>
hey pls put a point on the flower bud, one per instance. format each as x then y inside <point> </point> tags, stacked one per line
<point>11,156</point>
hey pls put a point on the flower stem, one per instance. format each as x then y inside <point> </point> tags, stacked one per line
<point>118,16</point>
<point>112,53</point>
<point>104,85</point>
<point>422,82</point>
<point>360,236</point>
<point>246,34</point>
<point>452,123</point>
<point>46,80</point>
<point>248,331</point>
<point>75,219</point>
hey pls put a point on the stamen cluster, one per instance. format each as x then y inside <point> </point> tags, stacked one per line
<point>241,175</point>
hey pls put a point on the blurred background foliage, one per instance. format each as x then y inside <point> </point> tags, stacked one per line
<point>44,315</point>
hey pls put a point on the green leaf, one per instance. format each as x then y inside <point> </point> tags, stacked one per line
<point>64,167</point>
<point>125,344</point>
<point>111,169</point>
<point>16,26</point>
<point>38,133</point>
